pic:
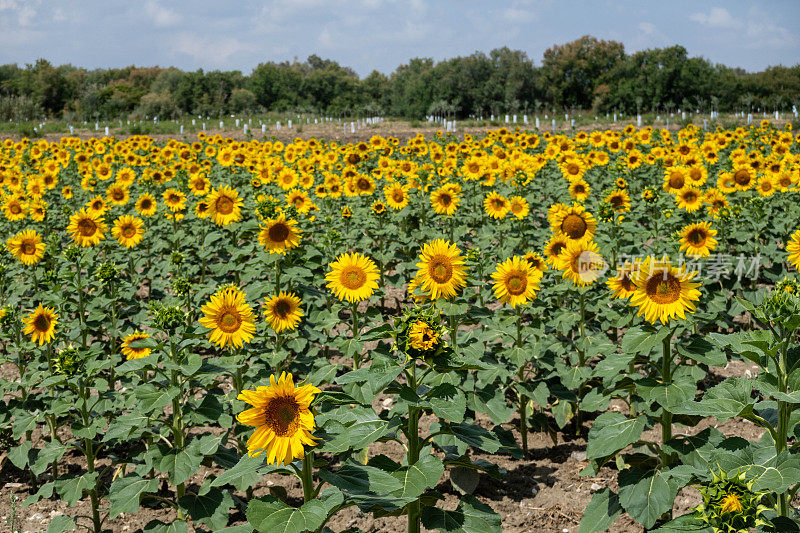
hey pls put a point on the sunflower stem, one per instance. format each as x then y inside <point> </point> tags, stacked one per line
<point>412,455</point>
<point>581,360</point>
<point>523,399</point>
<point>308,476</point>
<point>666,378</point>
<point>784,411</point>
<point>354,316</point>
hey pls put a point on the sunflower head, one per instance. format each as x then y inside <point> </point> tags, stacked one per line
<point>41,324</point>
<point>419,333</point>
<point>782,306</point>
<point>516,281</point>
<point>664,292</point>
<point>283,419</point>
<point>441,269</point>
<point>68,361</point>
<point>283,311</point>
<point>353,277</point>
<point>229,317</point>
<point>730,505</point>
<point>167,318</point>
<point>134,346</point>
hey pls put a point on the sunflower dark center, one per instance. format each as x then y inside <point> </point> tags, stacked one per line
<point>41,323</point>
<point>229,321</point>
<point>282,308</point>
<point>278,232</point>
<point>87,227</point>
<point>15,209</point>
<point>676,180</point>
<point>516,284</point>
<point>224,205</point>
<point>696,236</point>
<point>440,270</point>
<point>282,416</point>
<point>353,277</point>
<point>574,226</point>
<point>742,177</point>
<point>27,247</point>
<point>663,289</point>
<point>128,231</point>
<point>445,200</point>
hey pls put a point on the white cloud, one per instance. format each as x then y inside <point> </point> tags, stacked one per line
<point>648,28</point>
<point>325,40</point>
<point>718,17</point>
<point>163,17</point>
<point>204,50</point>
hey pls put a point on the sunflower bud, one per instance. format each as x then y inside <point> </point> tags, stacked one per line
<point>176,259</point>
<point>730,504</point>
<point>72,253</point>
<point>167,318</point>
<point>782,306</point>
<point>181,286</point>
<point>419,333</point>
<point>67,361</point>
<point>107,272</point>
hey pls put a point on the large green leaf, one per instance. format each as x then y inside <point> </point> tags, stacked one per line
<point>471,516</point>
<point>209,507</point>
<point>126,492</point>
<point>726,400</point>
<point>419,477</point>
<point>476,436</point>
<point>601,512</point>
<point>612,432</point>
<point>270,515</point>
<point>644,495</point>
<point>150,398</point>
<point>641,340</point>
<point>447,402</point>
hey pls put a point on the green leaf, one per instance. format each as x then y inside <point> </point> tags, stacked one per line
<point>777,477</point>
<point>180,464</point>
<point>667,395</point>
<point>51,451</point>
<point>641,340</point>
<point>702,351</point>
<point>476,436</point>
<point>612,432</point>
<point>151,398</point>
<point>447,402</point>
<point>157,526</point>
<point>471,516</point>
<point>601,512</point>
<point>726,400</point>
<point>273,516</point>
<point>126,492</point>
<point>71,489</point>
<point>687,523</point>
<point>419,477</point>
<point>243,475</point>
<point>354,478</point>
<point>644,495</point>
<point>209,508</point>
<point>60,524</point>
<point>18,455</point>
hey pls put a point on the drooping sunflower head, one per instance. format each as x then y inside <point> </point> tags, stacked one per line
<point>353,277</point>
<point>516,281</point>
<point>128,230</point>
<point>230,319</point>
<point>131,345</point>
<point>697,240</point>
<point>282,416</point>
<point>283,311</point>
<point>441,269</point>
<point>279,234</point>
<point>41,324</point>
<point>664,292</point>
<point>27,247</point>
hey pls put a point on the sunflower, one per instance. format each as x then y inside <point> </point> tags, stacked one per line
<point>441,269</point>
<point>766,186</point>
<point>378,207</point>
<point>27,247</point>
<point>619,200</point>
<point>282,417</point>
<point>283,311</point>
<point>225,205</point>
<point>697,240</point>
<point>14,209</point>
<point>118,194</point>
<point>793,247</point>
<point>396,196</point>
<point>86,229</point>
<point>519,207</point>
<point>496,206</point>
<point>133,352</point>
<point>175,200</point>
<point>581,263</point>
<point>279,234</point>
<point>41,324</point>
<point>96,206</point>
<point>516,281</point>
<point>743,177</point>
<point>622,285</point>
<point>716,201</point>
<point>579,190</point>
<point>554,247</point>
<point>146,205</point>
<point>353,277</point>
<point>663,292</point>
<point>675,179</point>
<point>128,230</point>
<point>444,201</point>
<point>536,261</point>
<point>575,223</point>
<point>230,318</point>
<point>422,337</point>
<point>690,199</point>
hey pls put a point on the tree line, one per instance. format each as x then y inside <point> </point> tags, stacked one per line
<point>586,74</point>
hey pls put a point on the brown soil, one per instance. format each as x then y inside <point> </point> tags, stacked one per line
<point>543,492</point>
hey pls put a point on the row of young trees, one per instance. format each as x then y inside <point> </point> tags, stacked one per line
<point>587,73</point>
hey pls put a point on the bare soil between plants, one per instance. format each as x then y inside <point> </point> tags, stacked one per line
<point>542,492</point>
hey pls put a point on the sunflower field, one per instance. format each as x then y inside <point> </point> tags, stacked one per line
<point>252,335</point>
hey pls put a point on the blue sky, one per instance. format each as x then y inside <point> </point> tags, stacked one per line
<point>382,34</point>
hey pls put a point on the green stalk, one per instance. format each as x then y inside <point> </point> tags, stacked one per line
<point>783,415</point>
<point>354,315</point>
<point>88,446</point>
<point>412,456</point>
<point>177,418</point>
<point>581,361</point>
<point>308,476</point>
<point>523,399</point>
<point>666,378</point>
